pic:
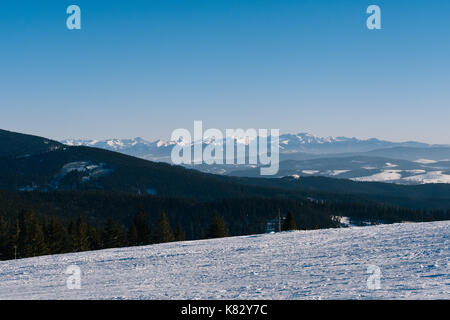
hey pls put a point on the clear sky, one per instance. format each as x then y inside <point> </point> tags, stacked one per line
<point>145,68</point>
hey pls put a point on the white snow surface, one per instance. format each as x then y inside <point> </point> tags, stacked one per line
<point>319,264</point>
<point>391,165</point>
<point>337,172</point>
<point>385,175</point>
<point>310,171</point>
<point>425,161</point>
<point>430,177</point>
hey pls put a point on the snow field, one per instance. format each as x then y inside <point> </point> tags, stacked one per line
<point>323,264</point>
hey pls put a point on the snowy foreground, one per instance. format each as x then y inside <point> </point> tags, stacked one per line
<point>323,264</point>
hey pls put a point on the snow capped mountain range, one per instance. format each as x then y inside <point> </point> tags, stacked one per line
<point>289,143</point>
<point>111,144</point>
<point>304,154</point>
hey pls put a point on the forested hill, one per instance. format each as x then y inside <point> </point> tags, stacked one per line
<point>426,196</point>
<point>14,144</point>
<point>32,163</point>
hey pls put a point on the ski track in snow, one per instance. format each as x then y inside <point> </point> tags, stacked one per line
<point>320,264</point>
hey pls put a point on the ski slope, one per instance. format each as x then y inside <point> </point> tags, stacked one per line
<point>321,264</point>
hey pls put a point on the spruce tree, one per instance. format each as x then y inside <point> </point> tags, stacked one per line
<point>4,240</point>
<point>38,243</point>
<point>142,229</point>
<point>132,236</point>
<point>163,232</point>
<point>217,228</point>
<point>289,223</point>
<point>57,236</point>
<point>112,235</point>
<point>95,238</point>
<point>179,234</point>
<point>80,236</point>
<point>31,239</point>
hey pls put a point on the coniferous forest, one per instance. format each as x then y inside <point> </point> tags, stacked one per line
<point>33,223</point>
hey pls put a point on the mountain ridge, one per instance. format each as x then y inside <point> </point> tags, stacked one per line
<point>14,144</point>
<point>407,162</point>
<point>87,168</point>
<point>288,143</point>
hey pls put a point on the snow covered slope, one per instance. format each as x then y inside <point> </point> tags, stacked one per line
<point>322,264</point>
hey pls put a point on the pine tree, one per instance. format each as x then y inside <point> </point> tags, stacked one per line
<point>31,239</point>
<point>57,236</point>
<point>179,234</point>
<point>217,228</point>
<point>80,236</point>
<point>132,236</point>
<point>38,243</point>
<point>163,232</point>
<point>142,228</point>
<point>95,238</point>
<point>113,237</point>
<point>289,223</point>
<point>4,240</point>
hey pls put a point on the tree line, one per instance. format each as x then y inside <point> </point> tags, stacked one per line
<point>36,223</point>
<point>30,235</point>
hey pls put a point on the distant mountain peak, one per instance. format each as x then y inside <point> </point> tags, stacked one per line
<point>302,142</point>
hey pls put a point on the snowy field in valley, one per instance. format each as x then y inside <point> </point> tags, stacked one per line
<point>322,264</point>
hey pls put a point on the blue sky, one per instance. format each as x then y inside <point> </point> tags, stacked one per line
<point>145,68</point>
